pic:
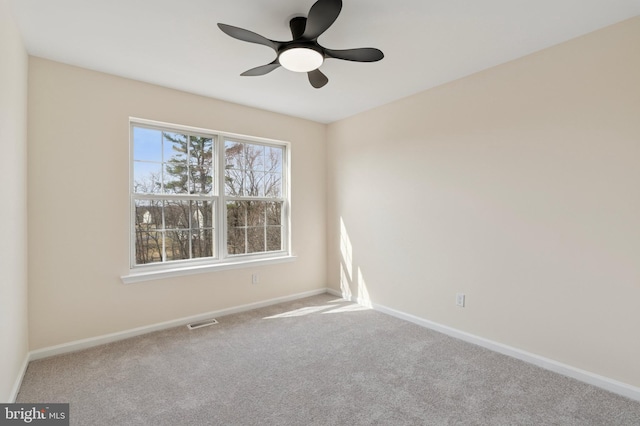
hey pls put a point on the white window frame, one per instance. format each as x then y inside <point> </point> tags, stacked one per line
<point>221,259</point>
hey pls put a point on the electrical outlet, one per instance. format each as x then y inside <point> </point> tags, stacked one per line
<point>460,300</point>
<point>255,279</point>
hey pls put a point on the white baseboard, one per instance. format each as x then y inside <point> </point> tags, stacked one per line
<point>112,337</point>
<point>16,386</point>
<point>606,383</point>
<point>335,293</point>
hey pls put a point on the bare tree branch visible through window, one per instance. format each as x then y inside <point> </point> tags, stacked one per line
<point>176,201</point>
<point>253,171</point>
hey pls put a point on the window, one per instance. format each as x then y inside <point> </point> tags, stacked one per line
<point>201,197</point>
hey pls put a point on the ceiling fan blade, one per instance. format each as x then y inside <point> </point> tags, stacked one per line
<point>317,79</point>
<point>262,69</point>
<point>365,54</point>
<point>323,13</point>
<point>246,35</point>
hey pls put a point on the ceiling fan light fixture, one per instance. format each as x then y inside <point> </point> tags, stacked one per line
<point>301,59</point>
<point>303,53</point>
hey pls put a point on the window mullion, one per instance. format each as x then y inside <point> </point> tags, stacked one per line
<point>190,224</point>
<point>264,230</point>
<point>222,230</point>
<point>189,202</point>
<point>246,230</point>
<point>163,234</point>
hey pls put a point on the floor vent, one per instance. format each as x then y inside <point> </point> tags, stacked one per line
<point>201,324</point>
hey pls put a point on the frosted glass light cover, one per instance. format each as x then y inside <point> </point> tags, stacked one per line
<point>300,59</point>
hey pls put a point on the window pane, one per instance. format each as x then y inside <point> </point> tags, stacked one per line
<point>255,240</point>
<point>147,178</point>
<point>201,180</point>
<point>273,159</point>
<point>254,157</point>
<point>253,183</point>
<point>233,152</point>
<point>200,165</point>
<point>274,238</point>
<point>202,214</point>
<point>202,235</point>
<point>255,213</point>
<point>233,182</point>
<point>177,244</point>
<point>147,144</point>
<point>148,247</point>
<point>235,164</point>
<point>148,218</point>
<point>202,242</point>
<point>188,230</point>
<point>254,226</point>
<point>274,213</point>
<point>245,170</point>
<point>148,214</point>
<point>176,214</point>
<point>236,213</point>
<point>176,178</point>
<point>273,185</point>
<point>174,147</point>
<point>236,241</point>
<point>200,150</point>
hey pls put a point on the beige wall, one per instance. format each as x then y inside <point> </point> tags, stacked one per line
<point>13,222</point>
<point>517,186</point>
<point>79,206</point>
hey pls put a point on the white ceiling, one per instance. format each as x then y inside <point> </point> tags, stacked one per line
<point>176,43</point>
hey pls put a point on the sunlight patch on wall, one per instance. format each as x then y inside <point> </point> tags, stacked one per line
<point>345,284</point>
<point>363,292</point>
<point>346,262</point>
<point>350,277</point>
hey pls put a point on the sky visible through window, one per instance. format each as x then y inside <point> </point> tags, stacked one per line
<point>176,202</point>
<point>151,151</point>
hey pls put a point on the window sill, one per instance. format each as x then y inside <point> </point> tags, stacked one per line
<point>135,276</point>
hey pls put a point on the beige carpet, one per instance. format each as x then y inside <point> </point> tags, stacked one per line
<point>315,361</point>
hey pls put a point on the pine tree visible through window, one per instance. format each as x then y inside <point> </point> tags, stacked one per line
<point>205,197</point>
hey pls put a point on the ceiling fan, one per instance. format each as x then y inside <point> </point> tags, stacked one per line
<point>303,53</point>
